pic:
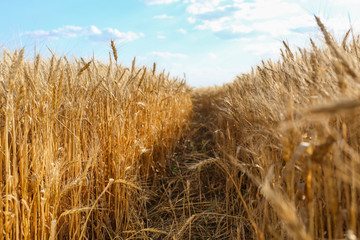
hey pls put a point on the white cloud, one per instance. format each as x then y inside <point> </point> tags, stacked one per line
<point>91,33</point>
<point>239,19</point>
<point>163,16</point>
<point>168,55</point>
<point>155,2</point>
<point>214,25</point>
<point>283,27</point>
<point>66,31</point>
<point>348,2</point>
<point>203,6</point>
<point>212,55</point>
<point>270,9</point>
<point>230,19</point>
<point>241,28</point>
<point>182,31</point>
<point>191,20</point>
<point>236,18</point>
<point>94,30</point>
<point>108,34</point>
<point>268,49</point>
<point>41,34</point>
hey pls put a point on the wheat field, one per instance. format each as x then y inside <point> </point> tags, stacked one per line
<point>100,151</point>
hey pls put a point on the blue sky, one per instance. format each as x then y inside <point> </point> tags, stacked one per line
<point>208,42</point>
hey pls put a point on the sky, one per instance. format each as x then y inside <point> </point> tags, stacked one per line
<point>205,42</point>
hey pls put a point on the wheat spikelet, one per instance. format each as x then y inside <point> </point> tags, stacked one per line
<point>154,69</point>
<point>133,65</point>
<point>343,44</point>
<point>114,50</point>
<point>331,43</point>
<point>86,66</point>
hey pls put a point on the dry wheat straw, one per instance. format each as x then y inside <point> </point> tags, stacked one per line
<point>64,134</point>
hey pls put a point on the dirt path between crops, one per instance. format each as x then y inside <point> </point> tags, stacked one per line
<point>189,202</point>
